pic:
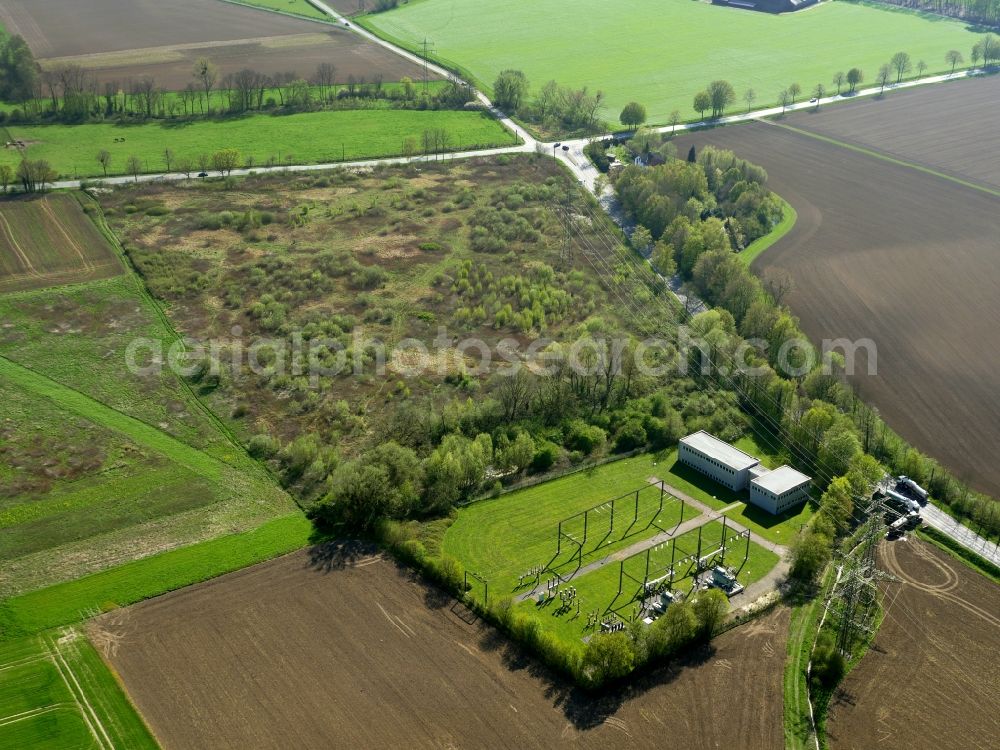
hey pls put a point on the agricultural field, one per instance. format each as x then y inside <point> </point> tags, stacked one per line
<point>57,693</point>
<point>934,656</point>
<point>940,127</point>
<point>261,139</point>
<point>49,240</point>
<point>295,635</point>
<point>662,52</point>
<point>882,250</point>
<point>101,464</point>
<point>118,40</point>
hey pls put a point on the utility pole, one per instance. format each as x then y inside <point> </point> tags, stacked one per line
<point>428,48</point>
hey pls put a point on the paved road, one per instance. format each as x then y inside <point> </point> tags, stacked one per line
<point>938,519</point>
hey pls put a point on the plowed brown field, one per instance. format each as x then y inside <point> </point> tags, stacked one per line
<point>341,648</point>
<point>908,259</point>
<point>121,39</point>
<point>48,240</point>
<point>930,681</point>
<point>947,127</point>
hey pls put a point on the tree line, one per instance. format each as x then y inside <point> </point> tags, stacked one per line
<point>552,106</point>
<point>986,12</point>
<point>70,93</point>
<point>831,431</point>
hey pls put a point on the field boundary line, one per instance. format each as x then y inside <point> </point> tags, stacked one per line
<point>22,662</point>
<point>86,710</point>
<point>866,151</point>
<point>280,12</point>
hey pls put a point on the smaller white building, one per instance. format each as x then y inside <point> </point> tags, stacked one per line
<point>717,459</point>
<point>778,490</point>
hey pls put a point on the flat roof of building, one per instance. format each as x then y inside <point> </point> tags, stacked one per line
<point>720,450</point>
<point>781,480</point>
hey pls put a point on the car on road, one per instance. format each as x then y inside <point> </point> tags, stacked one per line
<point>565,148</point>
<point>814,100</point>
<point>203,174</point>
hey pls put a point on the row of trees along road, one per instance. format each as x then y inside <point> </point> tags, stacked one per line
<point>720,95</point>
<point>70,93</point>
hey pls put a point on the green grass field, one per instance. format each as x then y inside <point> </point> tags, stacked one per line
<point>662,52</point>
<point>502,538</point>
<point>70,602</point>
<point>308,138</point>
<point>57,693</point>
<point>599,590</point>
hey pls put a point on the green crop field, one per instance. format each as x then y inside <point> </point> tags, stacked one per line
<point>57,693</point>
<point>308,138</point>
<point>662,52</point>
<point>70,602</point>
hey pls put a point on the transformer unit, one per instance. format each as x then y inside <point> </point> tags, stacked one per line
<point>912,489</point>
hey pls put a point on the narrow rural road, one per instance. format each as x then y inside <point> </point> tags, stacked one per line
<point>938,519</point>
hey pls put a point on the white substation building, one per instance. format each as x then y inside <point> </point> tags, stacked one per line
<point>772,490</point>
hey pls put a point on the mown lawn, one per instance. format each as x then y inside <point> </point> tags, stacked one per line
<point>307,138</point>
<point>662,52</point>
<point>504,537</point>
<point>599,589</point>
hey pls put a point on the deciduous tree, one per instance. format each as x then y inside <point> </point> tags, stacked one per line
<point>133,165</point>
<point>206,74</point>
<point>902,64</point>
<point>702,102</point>
<point>854,77</point>
<point>784,99</point>
<point>633,115</point>
<point>954,59</point>
<point>794,90</point>
<point>749,96</point>
<point>226,160</point>
<point>721,94</point>
<point>104,159</point>
<point>838,80</point>
<point>608,656</point>
<point>883,78</point>
<point>509,90</point>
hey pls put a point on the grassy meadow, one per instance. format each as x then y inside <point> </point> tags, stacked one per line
<point>662,52</point>
<point>306,138</point>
